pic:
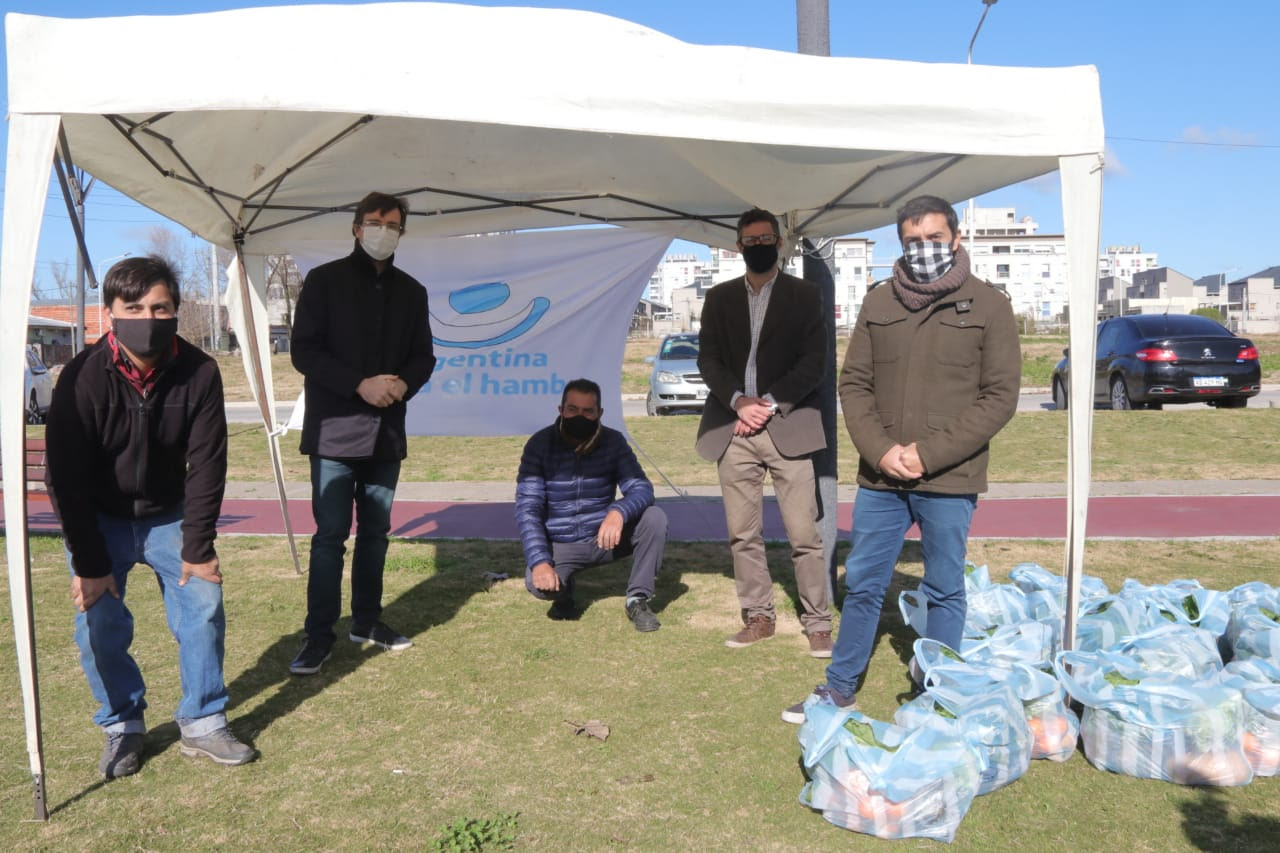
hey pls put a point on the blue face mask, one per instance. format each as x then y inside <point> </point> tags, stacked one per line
<point>928,261</point>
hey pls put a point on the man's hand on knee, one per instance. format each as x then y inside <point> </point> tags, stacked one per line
<point>85,592</point>
<point>205,571</point>
<point>610,532</point>
<point>545,578</point>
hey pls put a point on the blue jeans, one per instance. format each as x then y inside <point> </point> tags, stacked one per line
<point>336,485</point>
<point>880,521</point>
<point>196,619</point>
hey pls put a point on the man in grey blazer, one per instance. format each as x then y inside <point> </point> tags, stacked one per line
<point>761,354</point>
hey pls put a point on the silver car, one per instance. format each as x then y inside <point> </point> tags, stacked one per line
<point>675,383</point>
<point>37,388</point>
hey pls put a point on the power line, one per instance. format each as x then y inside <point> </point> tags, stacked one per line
<point>1192,142</point>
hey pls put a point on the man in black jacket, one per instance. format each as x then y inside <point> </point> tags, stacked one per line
<point>362,341</point>
<point>137,463</point>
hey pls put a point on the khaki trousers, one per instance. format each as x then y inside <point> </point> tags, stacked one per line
<point>742,469</point>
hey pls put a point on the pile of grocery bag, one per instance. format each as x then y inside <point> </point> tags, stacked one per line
<point>1157,700</point>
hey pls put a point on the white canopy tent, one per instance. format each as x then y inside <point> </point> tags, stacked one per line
<point>258,127</point>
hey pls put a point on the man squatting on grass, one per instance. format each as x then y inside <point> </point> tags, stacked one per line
<point>362,341</point>
<point>570,517</point>
<point>137,464</point>
<point>931,375</point>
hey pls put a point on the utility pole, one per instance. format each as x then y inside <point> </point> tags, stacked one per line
<point>813,36</point>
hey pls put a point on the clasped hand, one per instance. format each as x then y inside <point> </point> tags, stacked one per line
<point>753,415</point>
<point>382,390</point>
<point>902,463</point>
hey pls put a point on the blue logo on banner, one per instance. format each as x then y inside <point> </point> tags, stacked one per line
<point>479,301</point>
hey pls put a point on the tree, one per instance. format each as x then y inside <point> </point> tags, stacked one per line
<point>1212,313</point>
<point>201,319</point>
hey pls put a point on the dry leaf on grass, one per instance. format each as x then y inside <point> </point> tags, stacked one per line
<point>591,728</point>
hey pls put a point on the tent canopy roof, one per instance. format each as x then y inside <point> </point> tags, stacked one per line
<point>507,118</point>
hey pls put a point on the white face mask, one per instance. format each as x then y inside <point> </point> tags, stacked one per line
<point>379,241</point>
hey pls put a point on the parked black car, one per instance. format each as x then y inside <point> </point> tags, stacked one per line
<point>1147,360</point>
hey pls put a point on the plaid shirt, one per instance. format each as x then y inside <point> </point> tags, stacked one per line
<point>757,306</point>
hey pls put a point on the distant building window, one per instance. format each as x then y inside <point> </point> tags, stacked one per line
<point>1044,271</point>
<point>1002,270</point>
<point>999,250</point>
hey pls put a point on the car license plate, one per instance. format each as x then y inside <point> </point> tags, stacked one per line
<point>1209,381</point>
<point>702,393</point>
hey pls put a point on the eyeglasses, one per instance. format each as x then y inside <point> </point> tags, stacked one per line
<point>762,240</point>
<point>390,226</point>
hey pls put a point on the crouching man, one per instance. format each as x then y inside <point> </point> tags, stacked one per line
<point>137,464</point>
<point>570,517</point>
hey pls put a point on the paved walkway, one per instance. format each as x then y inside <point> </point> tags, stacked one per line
<point>1156,509</point>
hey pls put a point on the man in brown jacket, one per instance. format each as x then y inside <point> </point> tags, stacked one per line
<point>761,354</point>
<point>932,373</point>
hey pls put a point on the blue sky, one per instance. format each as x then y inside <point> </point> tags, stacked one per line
<point>1193,133</point>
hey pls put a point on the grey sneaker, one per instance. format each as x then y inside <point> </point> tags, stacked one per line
<point>380,634</point>
<point>641,616</point>
<point>311,658</point>
<point>220,746</point>
<point>795,714</point>
<point>122,755</point>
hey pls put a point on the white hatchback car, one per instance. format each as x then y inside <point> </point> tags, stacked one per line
<point>37,388</point>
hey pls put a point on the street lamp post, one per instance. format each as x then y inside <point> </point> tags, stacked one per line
<point>986,7</point>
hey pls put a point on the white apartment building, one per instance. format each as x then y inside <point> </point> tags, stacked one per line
<point>675,271</point>
<point>1126,261</point>
<point>1008,252</point>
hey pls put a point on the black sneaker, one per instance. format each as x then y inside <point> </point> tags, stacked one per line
<point>640,615</point>
<point>219,746</point>
<point>380,634</point>
<point>313,655</point>
<point>122,755</point>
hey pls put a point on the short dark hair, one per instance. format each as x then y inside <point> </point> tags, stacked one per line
<point>921,206</point>
<point>582,386</point>
<point>376,202</point>
<point>131,278</point>
<point>755,215</point>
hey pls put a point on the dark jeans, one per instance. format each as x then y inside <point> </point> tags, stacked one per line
<point>336,486</point>
<point>646,537</point>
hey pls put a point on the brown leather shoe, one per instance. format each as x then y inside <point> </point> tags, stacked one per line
<point>757,628</point>
<point>819,644</point>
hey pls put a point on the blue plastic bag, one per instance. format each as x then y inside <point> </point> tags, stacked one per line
<point>1156,725</point>
<point>877,778</point>
<point>980,704</point>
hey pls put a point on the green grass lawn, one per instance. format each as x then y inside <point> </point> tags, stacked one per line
<point>383,750</point>
<point>1137,445</point>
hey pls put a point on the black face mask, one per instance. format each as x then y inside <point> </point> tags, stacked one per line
<point>145,337</point>
<point>579,427</point>
<point>760,259</point>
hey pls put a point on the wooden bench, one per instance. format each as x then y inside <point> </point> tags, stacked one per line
<point>35,465</point>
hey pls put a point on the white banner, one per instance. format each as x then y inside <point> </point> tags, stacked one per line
<point>516,316</point>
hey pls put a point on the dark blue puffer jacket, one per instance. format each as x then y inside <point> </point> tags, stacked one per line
<point>563,497</point>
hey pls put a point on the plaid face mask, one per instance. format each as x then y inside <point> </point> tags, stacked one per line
<point>928,262</point>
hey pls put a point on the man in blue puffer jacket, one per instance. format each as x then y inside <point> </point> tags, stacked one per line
<point>570,517</point>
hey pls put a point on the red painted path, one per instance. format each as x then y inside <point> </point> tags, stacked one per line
<point>1129,517</point>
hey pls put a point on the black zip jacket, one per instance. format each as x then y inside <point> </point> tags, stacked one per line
<point>352,323</point>
<point>112,451</point>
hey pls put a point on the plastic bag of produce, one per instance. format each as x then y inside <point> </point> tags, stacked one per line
<point>1173,648</point>
<point>1186,602</point>
<point>1030,577</point>
<point>1156,725</point>
<point>1258,679</point>
<point>979,703</point>
<point>1106,621</point>
<point>1253,629</point>
<point>877,778</point>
